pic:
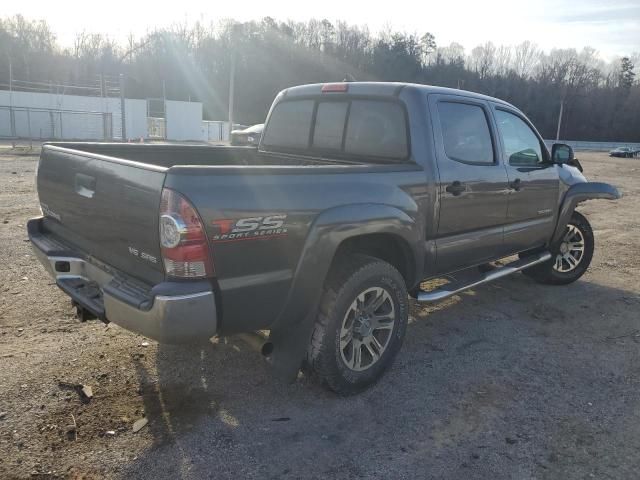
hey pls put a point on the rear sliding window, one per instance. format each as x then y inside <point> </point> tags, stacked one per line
<point>329,125</point>
<point>371,128</point>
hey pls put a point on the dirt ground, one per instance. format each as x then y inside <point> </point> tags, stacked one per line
<point>511,380</point>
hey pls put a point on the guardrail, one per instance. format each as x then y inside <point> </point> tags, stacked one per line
<point>595,146</point>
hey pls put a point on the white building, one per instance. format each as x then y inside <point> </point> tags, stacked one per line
<point>73,117</point>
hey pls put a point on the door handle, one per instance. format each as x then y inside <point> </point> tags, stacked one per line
<point>516,185</point>
<point>456,188</point>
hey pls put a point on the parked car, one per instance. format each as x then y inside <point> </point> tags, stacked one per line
<point>625,152</point>
<point>248,136</point>
<point>357,193</point>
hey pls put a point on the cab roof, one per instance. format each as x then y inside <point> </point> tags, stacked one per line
<point>382,89</point>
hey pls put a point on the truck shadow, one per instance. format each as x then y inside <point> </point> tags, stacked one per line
<point>463,381</point>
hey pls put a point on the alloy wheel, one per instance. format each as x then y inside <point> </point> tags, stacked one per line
<point>367,328</point>
<point>571,250</point>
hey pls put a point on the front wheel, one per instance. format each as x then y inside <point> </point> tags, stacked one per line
<point>360,324</point>
<point>571,257</point>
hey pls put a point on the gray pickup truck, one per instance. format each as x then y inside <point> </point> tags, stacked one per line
<point>357,193</point>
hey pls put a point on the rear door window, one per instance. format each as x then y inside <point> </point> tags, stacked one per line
<point>290,124</point>
<point>465,133</point>
<point>376,128</point>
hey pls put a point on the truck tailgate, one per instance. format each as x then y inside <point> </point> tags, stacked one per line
<point>105,207</point>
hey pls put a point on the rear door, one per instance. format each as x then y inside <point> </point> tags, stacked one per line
<point>105,207</point>
<point>473,183</point>
<point>533,181</point>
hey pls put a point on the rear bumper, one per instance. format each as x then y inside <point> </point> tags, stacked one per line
<point>170,312</point>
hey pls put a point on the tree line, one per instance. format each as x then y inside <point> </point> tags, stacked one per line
<point>601,101</point>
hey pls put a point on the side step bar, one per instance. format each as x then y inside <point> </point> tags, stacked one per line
<point>451,289</point>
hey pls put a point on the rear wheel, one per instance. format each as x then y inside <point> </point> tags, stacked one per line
<point>571,257</point>
<point>360,325</point>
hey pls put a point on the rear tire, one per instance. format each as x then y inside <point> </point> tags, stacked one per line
<point>360,325</point>
<point>571,258</point>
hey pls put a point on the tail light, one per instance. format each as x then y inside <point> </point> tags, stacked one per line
<point>185,250</point>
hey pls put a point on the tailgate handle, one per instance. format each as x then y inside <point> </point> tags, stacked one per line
<point>85,185</point>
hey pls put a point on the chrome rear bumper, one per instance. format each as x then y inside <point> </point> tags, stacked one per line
<point>189,316</point>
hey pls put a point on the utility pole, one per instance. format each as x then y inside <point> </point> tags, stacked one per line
<point>235,33</point>
<point>122,109</point>
<point>164,109</point>
<point>232,75</point>
<point>560,119</point>
<point>12,115</point>
<point>104,115</point>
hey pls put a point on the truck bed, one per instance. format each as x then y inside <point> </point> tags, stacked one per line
<point>170,155</point>
<point>103,200</point>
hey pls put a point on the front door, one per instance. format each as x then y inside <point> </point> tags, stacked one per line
<point>533,181</point>
<point>473,183</point>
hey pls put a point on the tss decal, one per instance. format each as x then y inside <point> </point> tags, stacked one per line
<point>228,230</point>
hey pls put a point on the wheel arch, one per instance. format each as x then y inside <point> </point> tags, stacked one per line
<point>577,193</point>
<point>390,247</point>
<point>361,228</point>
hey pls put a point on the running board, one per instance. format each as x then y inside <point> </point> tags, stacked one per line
<point>450,289</point>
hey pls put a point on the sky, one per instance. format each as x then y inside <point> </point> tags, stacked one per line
<point>612,27</point>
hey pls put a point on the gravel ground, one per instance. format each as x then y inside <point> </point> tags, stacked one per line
<point>511,380</point>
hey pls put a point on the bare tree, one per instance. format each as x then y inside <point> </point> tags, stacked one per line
<point>502,63</point>
<point>453,53</point>
<point>482,59</point>
<point>526,58</point>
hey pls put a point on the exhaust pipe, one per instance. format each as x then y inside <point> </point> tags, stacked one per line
<point>258,342</point>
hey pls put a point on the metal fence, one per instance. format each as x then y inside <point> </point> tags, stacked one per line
<point>46,110</point>
<point>156,128</point>
<point>58,124</point>
<point>215,131</point>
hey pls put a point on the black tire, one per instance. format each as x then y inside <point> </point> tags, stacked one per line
<point>350,278</point>
<point>548,274</point>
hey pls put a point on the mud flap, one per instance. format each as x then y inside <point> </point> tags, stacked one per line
<point>290,343</point>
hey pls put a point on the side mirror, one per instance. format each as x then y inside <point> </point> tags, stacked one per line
<point>561,153</point>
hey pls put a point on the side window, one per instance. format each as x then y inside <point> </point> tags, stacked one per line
<point>289,124</point>
<point>329,125</point>
<point>465,133</point>
<point>521,144</point>
<point>376,128</point>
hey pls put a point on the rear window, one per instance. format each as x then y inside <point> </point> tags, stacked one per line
<point>370,128</point>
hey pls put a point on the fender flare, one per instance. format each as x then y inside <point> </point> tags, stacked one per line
<point>579,193</point>
<point>291,332</point>
<point>328,231</point>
